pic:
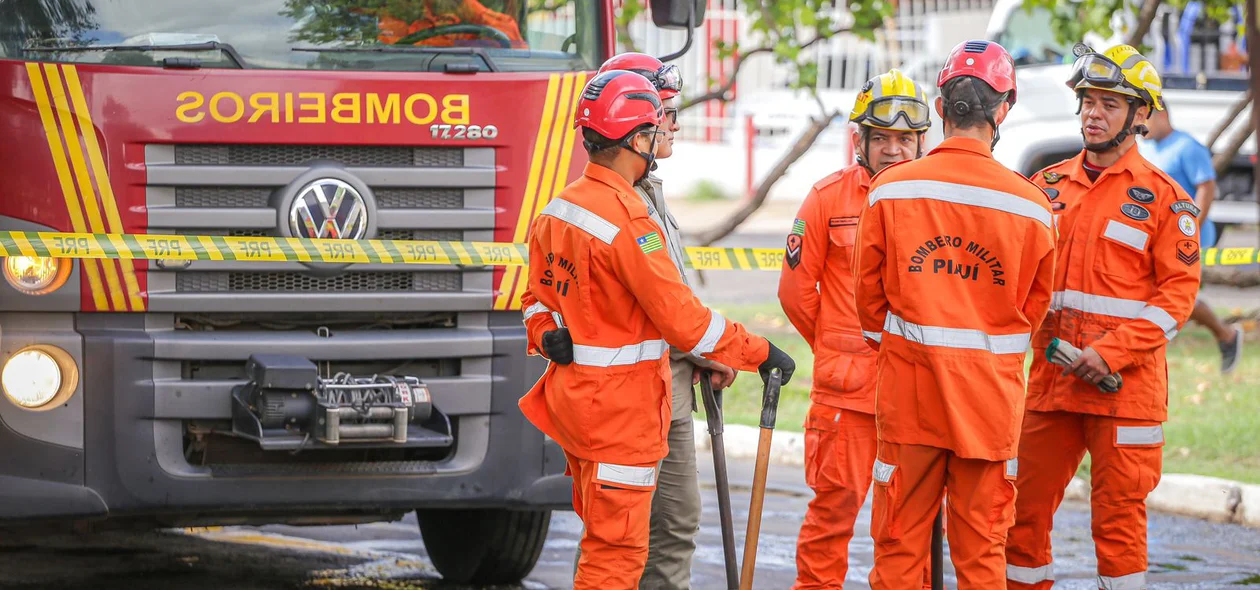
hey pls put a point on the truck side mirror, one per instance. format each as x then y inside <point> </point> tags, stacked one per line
<point>677,14</point>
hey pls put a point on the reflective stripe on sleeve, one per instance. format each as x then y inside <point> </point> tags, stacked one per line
<point>1030,575</point>
<point>961,194</point>
<point>582,219</point>
<point>1127,235</point>
<point>876,336</point>
<point>1130,582</point>
<point>626,475</point>
<point>1115,307</point>
<point>957,337</point>
<point>536,308</point>
<point>1160,318</point>
<point>599,356</point>
<point>712,335</point>
<point>1139,435</point>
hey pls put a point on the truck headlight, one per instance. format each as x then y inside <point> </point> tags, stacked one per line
<point>36,275</point>
<point>39,377</point>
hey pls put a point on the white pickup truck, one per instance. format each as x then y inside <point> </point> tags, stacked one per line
<point>1043,128</point>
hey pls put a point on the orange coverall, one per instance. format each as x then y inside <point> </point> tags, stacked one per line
<point>816,291</point>
<point>1125,281</point>
<point>954,269</point>
<point>610,409</point>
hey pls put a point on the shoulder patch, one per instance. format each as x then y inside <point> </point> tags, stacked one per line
<point>1185,207</point>
<point>798,227</point>
<point>1188,252</point>
<point>1187,225</point>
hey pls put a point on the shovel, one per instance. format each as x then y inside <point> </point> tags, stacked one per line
<point>713,414</point>
<point>769,410</point>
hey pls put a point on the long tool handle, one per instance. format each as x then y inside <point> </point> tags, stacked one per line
<point>938,551</point>
<point>769,412</point>
<point>713,415</point>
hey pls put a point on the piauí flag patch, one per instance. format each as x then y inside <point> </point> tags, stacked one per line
<point>798,227</point>
<point>650,243</point>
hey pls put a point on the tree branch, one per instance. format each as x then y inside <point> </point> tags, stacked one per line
<point>1234,111</point>
<point>721,92</point>
<point>1222,159</point>
<point>623,34</point>
<point>803,143</point>
<point>1146,16</point>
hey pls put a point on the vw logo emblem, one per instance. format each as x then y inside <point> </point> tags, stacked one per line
<point>328,208</point>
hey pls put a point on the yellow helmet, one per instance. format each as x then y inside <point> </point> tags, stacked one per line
<point>891,101</point>
<point>1121,69</point>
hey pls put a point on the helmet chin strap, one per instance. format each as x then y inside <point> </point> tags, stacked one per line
<point>1113,143</point>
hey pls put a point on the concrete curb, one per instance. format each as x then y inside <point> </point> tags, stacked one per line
<point>1198,496</point>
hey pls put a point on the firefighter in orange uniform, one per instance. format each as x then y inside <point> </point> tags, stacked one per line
<point>1126,278</point>
<point>604,304</point>
<point>954,264</point>
<point>816,291</point>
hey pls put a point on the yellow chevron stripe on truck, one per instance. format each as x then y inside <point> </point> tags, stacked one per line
<point>126,247</point>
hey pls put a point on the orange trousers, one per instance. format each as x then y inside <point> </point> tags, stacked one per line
<point>840,450</point>
<point>1126,459</point>
<point>910,481</point>
<point>615,505</point>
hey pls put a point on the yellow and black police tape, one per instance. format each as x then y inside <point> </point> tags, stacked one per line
<point>280,249</point>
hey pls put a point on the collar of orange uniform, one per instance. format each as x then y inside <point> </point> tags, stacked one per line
<point>864,175</point>
<point>1130,162</point>
<point>964,144</point>
<point>607,176</point>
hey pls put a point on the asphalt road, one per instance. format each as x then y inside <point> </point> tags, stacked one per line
<point>1185,553</point>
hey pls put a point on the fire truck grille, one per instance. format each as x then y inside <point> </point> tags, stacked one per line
<point>260,198</point>
<point>298,155</point>
<point>289,282</point>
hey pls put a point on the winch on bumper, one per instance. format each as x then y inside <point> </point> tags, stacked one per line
<point>287,405</point>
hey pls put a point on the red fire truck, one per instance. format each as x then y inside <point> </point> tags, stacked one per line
<point>174,393</point>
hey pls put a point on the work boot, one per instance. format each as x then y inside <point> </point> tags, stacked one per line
<point>1231,351</point>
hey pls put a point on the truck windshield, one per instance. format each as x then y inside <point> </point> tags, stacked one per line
<point>1029,38</point>
<point>395,35</point>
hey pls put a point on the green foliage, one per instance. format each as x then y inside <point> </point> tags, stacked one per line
<point>784,28</point>
<point>630,10</point>
<point>1070,21</point>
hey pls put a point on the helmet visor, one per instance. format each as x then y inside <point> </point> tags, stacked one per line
<point>886,112</point>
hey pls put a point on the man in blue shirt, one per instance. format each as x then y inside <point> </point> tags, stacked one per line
<point>1190,164</point>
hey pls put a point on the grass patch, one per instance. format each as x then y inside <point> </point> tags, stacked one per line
<point>707,191</point>
<point>1212,423</point>
<point>1251,580</point>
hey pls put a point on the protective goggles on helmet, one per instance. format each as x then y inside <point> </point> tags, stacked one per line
<point>669,77</point>
<point>885,112</point>
<point>1096,70</point>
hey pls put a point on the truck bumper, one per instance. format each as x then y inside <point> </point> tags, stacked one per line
<point>129,458</point>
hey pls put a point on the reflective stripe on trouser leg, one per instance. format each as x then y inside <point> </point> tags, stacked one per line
<point>1030,575</point>
<point>1130,582</point>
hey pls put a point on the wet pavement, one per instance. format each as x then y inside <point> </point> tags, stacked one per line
<point>1185,553</point>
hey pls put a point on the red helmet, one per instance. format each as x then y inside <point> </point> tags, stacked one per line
<point>985,60</point>
<point>666,78</point>
<point>617,102</point>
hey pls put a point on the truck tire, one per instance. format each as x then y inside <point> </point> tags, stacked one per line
<point>484,546</point>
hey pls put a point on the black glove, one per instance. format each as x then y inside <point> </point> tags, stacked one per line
<point>777,360</point>
<point>557,345</point>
